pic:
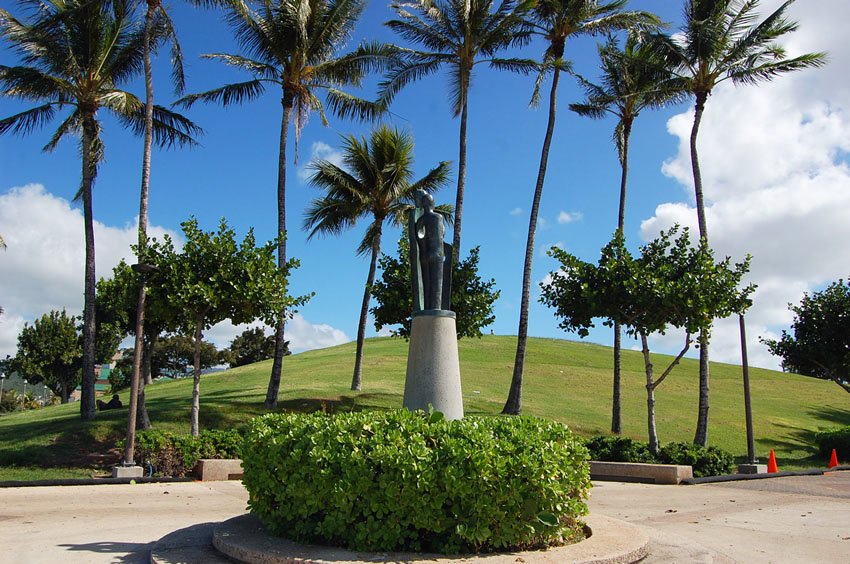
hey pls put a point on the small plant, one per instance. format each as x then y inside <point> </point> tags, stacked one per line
<point>396,480</point>
<point>176,455</point>
<point>838,439</point>
<point>706,461</point>
<point>613,448</point>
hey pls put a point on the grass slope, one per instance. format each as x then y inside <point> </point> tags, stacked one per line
<point>567,381</point>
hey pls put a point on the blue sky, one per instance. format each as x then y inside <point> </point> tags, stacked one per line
<point>762,179</point>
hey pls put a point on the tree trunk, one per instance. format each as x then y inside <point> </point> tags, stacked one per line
<point>356,380</point>
<point>143,420</point>
<point>748,409</point>
<point>513,406</point>
<point>64,393</point>
<point>280,341</point>
<point>196,374</point>
<point>461,184</point>
<point>701,435</point>
<point>616,421</point>
<point>650,397</point>
<point>87,403</point>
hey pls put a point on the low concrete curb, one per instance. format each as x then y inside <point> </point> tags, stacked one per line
<point>245,540</point>
<point>668,474</point>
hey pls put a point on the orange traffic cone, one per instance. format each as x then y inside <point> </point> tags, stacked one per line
<point>833,460</point>
<point>771,464</point>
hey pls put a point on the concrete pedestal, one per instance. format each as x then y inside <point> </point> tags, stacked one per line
<point>752,469</point>
<point>122,471</point>
<point>433,370</point>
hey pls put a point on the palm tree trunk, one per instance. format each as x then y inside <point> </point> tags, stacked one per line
<point>280,341</point>
<point>87,404</point>
<point>143,228</point>
<point>616,420</point>
<point>701,435</point>
<point>356,381</point>
<point>461,185</point>
<point>514,404</point>
<point>652,431</point>
<point>196,374</point>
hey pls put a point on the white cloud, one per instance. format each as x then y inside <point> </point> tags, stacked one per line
<point>301,334</point>
<point>776,181</point>
<point>319,151</point>
<point>42,268</point>
<point>569,217</point>
<point>516,211</point>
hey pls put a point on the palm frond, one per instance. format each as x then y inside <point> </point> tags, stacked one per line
<point>520,66</point>
<point>257,68</point>
<point>169,128</point>
<point>408,71</point>
<point>768,71</point>
<point>227,95</point>
<point>72,124</point>
<point>32,84</point>
<point>349,106</point>
<point>28,120</point>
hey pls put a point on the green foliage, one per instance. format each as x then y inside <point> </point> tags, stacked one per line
<point>396,480</point>
<point>706,461</point>
<point>821,327</point>
<point>472,298</point>
<point>671,283</point>
<point>838,439</point>
<point>614,448</point>
<point>174,355</point>
<point>253,345</point>
<point>176,455</point>
<point>50,352</point>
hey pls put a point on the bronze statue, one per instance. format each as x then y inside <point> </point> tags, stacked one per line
<point>430,257</point>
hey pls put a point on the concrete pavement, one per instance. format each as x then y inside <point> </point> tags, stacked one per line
<point>791,519</point>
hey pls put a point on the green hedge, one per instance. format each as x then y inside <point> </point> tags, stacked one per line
<point>706,461</point>
<point>838,439</point>
<point>396,480</point>
<point>176,455</point>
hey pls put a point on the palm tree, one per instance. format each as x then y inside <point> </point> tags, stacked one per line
<point>720,40</point>
<point>75,54</point>
<point>293,44</point>
<point>137,416</point>
<point>557,21</point>
<point>376,181</point>
<point>457,34</point>
<point>632,80</point>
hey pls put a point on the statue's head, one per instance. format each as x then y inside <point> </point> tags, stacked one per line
<point>424,200</point>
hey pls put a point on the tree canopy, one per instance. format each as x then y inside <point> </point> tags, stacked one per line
<point>820,343</point>
<point>472,298</point>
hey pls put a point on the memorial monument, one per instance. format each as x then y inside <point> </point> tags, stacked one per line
<point>433,370</point>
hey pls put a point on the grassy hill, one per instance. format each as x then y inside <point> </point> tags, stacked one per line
<point>567,381</point>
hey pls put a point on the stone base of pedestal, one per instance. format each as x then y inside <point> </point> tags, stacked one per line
<point>433,370</point>
<point>752,469</point>
<point>130,471</point>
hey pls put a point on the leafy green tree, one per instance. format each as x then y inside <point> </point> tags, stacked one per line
<point>376,181</point>
<point>633,79</point>
<point>174,355</point>
<point>820,343</point>
<point>251,346</point>
<point>294,44</point>
<point>721,40</point>
<point>117,303</point>
<point>215,278</point>
<point>557,21</point>
<point>672,284</point>
<point>50,352</point>
<point>457,34</point>
<point>472,298</point>
<point>76,54</point>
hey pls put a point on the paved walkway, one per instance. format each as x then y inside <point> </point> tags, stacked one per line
<point>792,519</point>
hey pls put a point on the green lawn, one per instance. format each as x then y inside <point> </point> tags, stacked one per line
<point>564,380</point>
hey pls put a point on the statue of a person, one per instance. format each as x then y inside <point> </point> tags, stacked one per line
<point>430,272</point>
